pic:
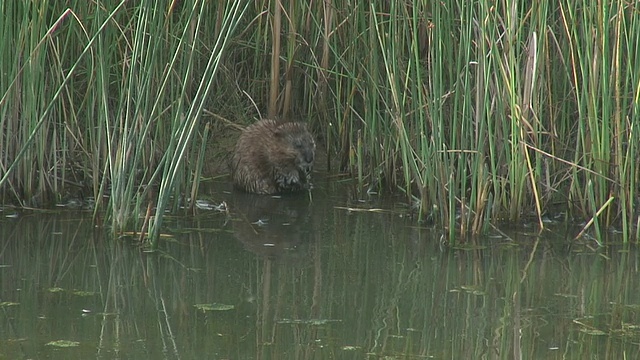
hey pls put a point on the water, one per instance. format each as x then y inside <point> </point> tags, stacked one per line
<point>282,279</point>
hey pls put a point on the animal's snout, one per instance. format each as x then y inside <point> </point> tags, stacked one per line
<point>308,156</point>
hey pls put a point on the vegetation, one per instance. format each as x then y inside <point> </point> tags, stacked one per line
<point>478,111</point>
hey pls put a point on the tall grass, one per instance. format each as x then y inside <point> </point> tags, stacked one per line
<point>488,111</point>
<point>479,112</point>
<point>117,106</point>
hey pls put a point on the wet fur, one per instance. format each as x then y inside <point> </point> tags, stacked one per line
<point>272,157</point>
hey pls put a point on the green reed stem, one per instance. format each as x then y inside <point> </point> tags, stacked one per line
<point>184,128</point>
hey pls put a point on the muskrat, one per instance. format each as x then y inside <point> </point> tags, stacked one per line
<point>272,157</point>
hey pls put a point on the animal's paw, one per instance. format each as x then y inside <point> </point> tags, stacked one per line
<point>289,181</point>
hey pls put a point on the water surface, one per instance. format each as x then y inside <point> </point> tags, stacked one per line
<point>286,278</point>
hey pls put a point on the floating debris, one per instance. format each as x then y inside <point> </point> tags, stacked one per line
<point>208,205</point>
<point>350,348</point>
<point>313,322</point>
<point>260,222</point>
<point>8,303</point>
<point>214,307</point>
<point>63,343</point>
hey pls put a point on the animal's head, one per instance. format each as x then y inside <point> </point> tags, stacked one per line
<point>299,143</point>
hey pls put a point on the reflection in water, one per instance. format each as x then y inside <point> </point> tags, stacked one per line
<point>345,285</point>
<point>272,226</point>
<point>279,230</point>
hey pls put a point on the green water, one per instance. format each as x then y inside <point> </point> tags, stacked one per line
<point>311,281</point>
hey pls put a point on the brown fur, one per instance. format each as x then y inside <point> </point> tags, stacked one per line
<point>272,157</point>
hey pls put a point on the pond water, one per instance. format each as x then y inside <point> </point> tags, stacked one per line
<point>290,278</point>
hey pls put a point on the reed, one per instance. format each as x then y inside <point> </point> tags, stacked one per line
<point>479,112</point>
<point>185,127</point>
<point>492,121</point>
<point>116,109</point>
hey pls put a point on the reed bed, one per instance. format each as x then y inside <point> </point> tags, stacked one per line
<point>479,112</point>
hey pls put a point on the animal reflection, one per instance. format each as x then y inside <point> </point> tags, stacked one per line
<point>273,227</point>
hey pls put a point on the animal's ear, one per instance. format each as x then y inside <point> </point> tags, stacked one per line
<point>279,132</point>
